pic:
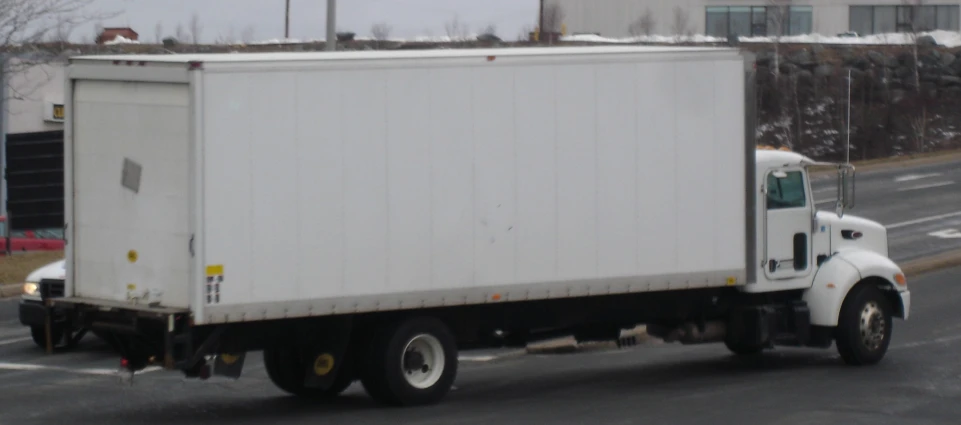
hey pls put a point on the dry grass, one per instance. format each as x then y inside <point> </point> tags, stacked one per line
<point>15,268</point>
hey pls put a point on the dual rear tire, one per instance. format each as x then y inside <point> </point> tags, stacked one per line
<point>405,363</point>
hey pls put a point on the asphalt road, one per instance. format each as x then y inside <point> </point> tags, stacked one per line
<point>921,206</point>
<point>918,383</point>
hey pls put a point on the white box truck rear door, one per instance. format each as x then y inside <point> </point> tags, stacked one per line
<point>131,179</point>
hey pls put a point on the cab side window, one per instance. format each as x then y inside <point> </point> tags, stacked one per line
<point>786,192</point>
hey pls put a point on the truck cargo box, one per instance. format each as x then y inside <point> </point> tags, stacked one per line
<point>245,187</point>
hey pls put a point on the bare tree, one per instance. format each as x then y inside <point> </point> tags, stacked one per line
<point>455,29</point>
<point>778,18</point>
<point>228,38</point>
<point>97,31</point>
<point>380,31</point>
<point>196,28</point>
<point>913,29</point>
<point>490,29</point>
<point>919,125</point>
<point>25,23</point>
<point>248,34</point>
<point>680,23</point>
<point>181,33</point>
<point>525,33</point>
<point>60,32</point>
<point>644,25</point>
<point>553,18</point>
<point>158,31</point>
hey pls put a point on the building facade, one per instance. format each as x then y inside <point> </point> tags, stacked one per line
<point>719,18</point>
<point>31,146</point>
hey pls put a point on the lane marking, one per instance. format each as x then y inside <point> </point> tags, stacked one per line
<point>825,190</point>
<point>94,371</point>
<point>923,220</point>
<point>912,177</point>
<point>15,340</point>
<point>926,186</point>
<point>941,340</point>
<point>946,234</point>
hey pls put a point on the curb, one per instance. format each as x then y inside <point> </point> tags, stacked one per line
<point>10,290</point>
<point>898,162</point>
<point>940,261</point>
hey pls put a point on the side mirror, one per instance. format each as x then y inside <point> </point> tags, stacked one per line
<point>845,188</point>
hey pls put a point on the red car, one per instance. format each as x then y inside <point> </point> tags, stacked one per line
<point>30,240</point>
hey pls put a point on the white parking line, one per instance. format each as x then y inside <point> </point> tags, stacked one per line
<point>15,340</point>
<point>98,372</point>
<point>926,186</point>
<point>910,177</point>
<point>923,220</point>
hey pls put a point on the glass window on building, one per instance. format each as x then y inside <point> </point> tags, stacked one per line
<point>861,19</point>
<point>885,19</point>
<point>740,21</point>
<point>759,21</point>
<point>716,21</point>
<point>928,19</point>
<point>802,20</point>
<point>949,17</point>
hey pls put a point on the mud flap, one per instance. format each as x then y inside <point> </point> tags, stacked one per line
<point>229,365</point>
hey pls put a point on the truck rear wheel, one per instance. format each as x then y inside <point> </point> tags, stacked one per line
<point>411,363</point>
<point>286,368</point>
<point>864,326</point>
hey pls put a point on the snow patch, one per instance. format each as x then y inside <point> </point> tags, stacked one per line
<point>121,40</point>
<point>944,38</point>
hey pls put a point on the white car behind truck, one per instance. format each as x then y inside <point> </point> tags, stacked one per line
<point>33,312</point>
<point>366,215</point>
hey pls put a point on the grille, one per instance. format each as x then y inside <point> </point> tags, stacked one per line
<point>50,288</point>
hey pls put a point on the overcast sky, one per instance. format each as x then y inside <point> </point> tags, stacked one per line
<point>408,18</point>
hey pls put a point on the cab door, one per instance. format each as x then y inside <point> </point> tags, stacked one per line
<point>788,218</point>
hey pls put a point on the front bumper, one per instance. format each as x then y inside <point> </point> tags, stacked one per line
<point>905,303</point>
<point>32,313</point>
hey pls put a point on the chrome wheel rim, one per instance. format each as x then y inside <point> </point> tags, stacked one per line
<point>423,361</point>
<point>872,326</point>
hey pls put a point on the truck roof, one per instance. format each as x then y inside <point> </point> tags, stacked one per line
<point>398,54</point>
<point>772,158</point>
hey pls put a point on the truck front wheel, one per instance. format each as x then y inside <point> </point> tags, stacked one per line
<point>864,326</point>
<point>410,363</point>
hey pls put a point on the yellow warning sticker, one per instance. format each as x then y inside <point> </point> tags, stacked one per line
<point>215,277</point>
<point>132,256</point>
<point>731,280</point>
<point>229,358</point>
<point>215,270</point>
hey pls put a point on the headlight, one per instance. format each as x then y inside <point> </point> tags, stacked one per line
<point>31,289</point>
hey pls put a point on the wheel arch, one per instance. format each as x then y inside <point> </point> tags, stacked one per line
<point>837,277</point>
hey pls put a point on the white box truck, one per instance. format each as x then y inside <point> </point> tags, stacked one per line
<point>365,215</point>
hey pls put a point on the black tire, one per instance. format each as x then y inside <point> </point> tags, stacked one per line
<point>868,303</point>
<point>39,335</point>
<point>742,349</point>
<point>286,368</point>
<point>384,372</point>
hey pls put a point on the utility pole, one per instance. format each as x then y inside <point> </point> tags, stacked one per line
<point>540,22</point>
<point>287,22</point>
<point>331,43</point>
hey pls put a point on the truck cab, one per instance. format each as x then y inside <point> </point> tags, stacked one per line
<point>828,255</point>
